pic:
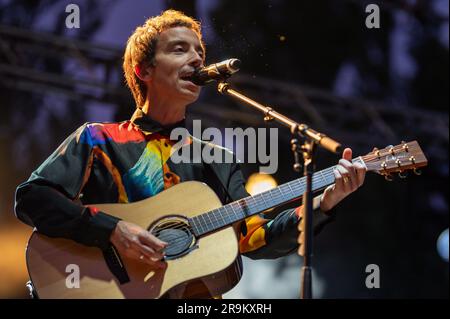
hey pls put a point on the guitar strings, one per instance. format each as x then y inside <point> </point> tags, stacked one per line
<point>295,187</point>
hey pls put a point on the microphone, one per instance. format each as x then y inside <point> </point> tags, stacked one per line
<point>216,71</point>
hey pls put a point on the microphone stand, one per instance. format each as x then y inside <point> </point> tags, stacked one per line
<point>310,139</point>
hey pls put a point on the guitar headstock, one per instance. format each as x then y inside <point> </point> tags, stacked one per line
<point>396,159</point>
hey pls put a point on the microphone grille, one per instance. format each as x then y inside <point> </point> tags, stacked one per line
<point>234,65</point>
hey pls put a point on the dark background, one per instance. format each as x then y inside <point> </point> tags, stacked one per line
<point>314,61</point>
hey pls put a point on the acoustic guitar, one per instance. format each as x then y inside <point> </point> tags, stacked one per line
<point>202,254</point>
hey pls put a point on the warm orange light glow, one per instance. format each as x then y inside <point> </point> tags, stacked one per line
<point>13,271</point>
<point>258,183</point>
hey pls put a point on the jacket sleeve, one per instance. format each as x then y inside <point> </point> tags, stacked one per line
<point>263,238</point>
<point>46,200</point>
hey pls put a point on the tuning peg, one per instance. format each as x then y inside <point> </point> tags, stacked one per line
<point>417,171</point>
<point>391,149</point>
<point>403,174</point>
<point>377,152</point>
<point>405,146</point>
<point>388,177</point>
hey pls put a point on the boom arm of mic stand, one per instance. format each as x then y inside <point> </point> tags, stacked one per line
<point>296,128</point>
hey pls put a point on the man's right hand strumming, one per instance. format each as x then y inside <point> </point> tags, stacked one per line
<point>134,242</point>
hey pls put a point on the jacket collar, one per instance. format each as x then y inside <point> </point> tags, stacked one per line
<point>148,125</point>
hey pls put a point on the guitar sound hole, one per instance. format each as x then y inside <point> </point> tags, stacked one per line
<point>178,236</point>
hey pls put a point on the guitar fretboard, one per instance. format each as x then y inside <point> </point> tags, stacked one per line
<point>252,205</point>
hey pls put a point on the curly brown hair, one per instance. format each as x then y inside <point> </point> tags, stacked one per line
<point>141,46</point>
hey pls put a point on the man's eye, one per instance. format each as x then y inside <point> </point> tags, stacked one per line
<point>179,49</point>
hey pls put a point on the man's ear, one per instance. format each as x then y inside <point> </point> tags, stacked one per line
<point>143,73</point>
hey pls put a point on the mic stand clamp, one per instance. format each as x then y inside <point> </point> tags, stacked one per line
<point>305,240</point>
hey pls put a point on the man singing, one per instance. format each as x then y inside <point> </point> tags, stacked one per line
<point>131,160</point>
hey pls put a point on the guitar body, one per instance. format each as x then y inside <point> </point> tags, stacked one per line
<point>206,269</point>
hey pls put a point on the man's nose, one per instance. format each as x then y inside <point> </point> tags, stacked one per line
<point>196,60</point>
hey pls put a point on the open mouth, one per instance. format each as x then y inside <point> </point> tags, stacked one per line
<point>187,77</point>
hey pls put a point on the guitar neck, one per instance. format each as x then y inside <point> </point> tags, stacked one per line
<point>252,205</point>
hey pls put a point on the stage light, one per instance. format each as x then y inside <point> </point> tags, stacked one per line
<point>442,245</point>
<point>258,183</point>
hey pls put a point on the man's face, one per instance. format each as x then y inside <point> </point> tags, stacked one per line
<point>178,53</point>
